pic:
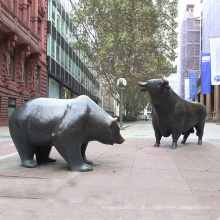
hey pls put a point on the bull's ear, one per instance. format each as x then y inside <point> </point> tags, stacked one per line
<point>165,82</point>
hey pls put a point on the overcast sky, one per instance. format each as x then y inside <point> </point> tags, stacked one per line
<point>183,3</point>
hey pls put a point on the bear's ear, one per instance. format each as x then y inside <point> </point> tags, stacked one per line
<point>114,119</point>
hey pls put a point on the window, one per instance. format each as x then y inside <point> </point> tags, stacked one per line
<point>38,29</point>
<point>25,72</point>
<point>38,79</point>
<point>66,93</point>
<point>12,58</point>
<point>11,106</point>
<point>53,43</point>
<point>54,88</point>
<point>53,14</point>
<point>66,60</point>
<point>70,63</point>
<point>57,52</point>
<point>62,26</point>
<point>58,20</point>
<point>67,32</point>
<point>62,56</point>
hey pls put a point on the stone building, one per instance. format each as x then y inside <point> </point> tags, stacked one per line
<point>23,67</point>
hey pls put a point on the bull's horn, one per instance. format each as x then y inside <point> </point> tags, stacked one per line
<point>165,82</point>
<point>114,119</point>
<point>143,84</point>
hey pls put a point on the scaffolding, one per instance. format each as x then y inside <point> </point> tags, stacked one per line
<point>210,22</point>
<point>189,60</point>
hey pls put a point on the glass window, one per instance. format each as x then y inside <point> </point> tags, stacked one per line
<point>38,79</point>
<point>62,26</point>
<point>53,14</point>
<point>57,52</point>
<point>12,58</point>
<point>70,63</point>
<point>53,43</point>
<point>54,88</point>
<point>25,72</point>
<point>11,106</point>
<point>38,29</point>
<point>67,32</point>
<point>66,60</point>
<point>62,56</point>
<point>66,93</point>
<point>58,20</point>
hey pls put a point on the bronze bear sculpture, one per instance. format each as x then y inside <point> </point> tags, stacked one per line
<point>173,115</point>
<point>67,124</point>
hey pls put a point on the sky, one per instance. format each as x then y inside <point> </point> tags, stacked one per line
<point>182,7</point>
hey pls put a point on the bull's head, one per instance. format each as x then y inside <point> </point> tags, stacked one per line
<point>156,89</point>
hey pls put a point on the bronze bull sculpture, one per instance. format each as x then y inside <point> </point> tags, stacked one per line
<point>173,115</point>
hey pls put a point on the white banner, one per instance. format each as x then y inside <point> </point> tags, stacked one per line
<point>187,92</point>
<point>215,60</point>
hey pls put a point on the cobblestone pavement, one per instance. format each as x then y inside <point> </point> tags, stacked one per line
<point>130,181</point>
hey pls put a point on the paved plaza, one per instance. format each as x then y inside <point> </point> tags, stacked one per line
<point>130,181</point>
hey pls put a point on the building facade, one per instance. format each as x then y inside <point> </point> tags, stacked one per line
<point>189,60</point>
<point>23,36</point>
<point>69,71</point>
<point>210,28</point>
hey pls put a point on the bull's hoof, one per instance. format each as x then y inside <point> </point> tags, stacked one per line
<point>156,145</point>
<point>174,146</point>
<point>82,168</point>
<point>87,161</point>
<point>29,163</point>
<point>183,142</point>
<point>199,142</point>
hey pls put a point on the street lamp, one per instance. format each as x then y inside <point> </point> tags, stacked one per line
<point>109,78</point>
<point>121,83</point>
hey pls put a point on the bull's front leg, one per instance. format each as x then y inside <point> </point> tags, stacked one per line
<point>175,138</point>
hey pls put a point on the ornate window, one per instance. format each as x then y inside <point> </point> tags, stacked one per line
<point>38,79</point>
<point>12,64</point>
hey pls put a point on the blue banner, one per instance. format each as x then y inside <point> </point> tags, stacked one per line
<point>205,73</point>
<point>193,85</point>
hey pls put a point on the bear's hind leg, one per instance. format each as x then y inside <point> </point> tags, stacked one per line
<point>26,153</point>
<point>42,154</point>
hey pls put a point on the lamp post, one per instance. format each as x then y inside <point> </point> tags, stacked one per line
<point>109,78</point>
<point>121,83</point>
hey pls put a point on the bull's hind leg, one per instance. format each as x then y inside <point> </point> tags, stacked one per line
<point>186,135</point>
<point>42,154</point>
<point>199,133</point>
<point>83,152</point>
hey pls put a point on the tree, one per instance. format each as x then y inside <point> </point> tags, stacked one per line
<point>139,34</point>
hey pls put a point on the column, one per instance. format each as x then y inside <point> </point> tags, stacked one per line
<point>209,106</point>
<point>216,98</point>
<point>35,15</point>
<point>24,13</point>
<point>202,99</point>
